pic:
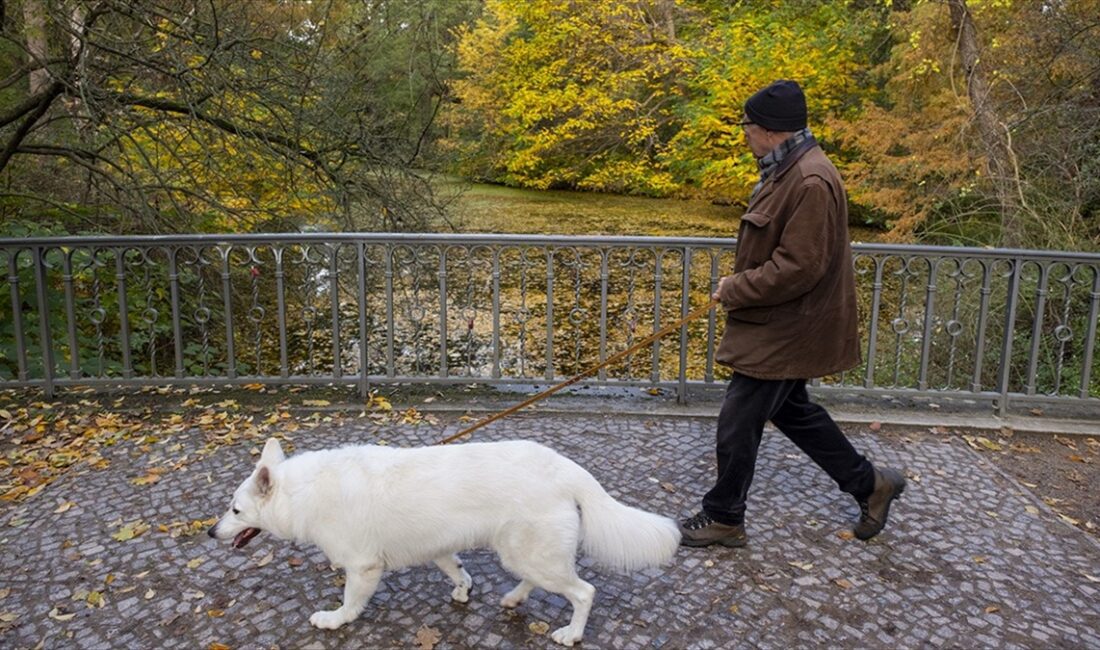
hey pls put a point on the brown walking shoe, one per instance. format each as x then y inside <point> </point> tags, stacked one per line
<point>701,530</point>
<point>889,484</point>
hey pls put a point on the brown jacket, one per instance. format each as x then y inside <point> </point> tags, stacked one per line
<point>791,306</point>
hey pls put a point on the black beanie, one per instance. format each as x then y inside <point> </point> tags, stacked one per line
<point>779,107</point>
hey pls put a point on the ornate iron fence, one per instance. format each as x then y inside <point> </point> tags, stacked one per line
<point>497,309</point>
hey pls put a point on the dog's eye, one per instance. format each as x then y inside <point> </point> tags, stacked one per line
<point>236,511</point>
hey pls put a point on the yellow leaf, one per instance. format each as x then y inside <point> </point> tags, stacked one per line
<point>149,594</point>
<point>991,609</point>
<point>8,617</point>
<point>315,402</point>
<point>56,614</point>
<point>1031,510</point>
<point>218,646</point>
<point>196,563</point>
<point>64,507</point>
<point>215,613</point>
<point>130,531</point>
<point>95,599</point>
<point>539,627</point>
<point>842,583</point>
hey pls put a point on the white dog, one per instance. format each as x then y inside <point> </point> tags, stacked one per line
<point>372,508</point>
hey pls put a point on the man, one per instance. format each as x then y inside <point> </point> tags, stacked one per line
<point>790,316</point>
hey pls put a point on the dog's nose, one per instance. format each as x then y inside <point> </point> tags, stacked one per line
<point>210,531</point>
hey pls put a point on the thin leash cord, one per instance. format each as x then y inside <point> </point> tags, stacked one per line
<point>569,382</point>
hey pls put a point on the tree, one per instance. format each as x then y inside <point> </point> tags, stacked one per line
<point>165,116</point>
<point>557,94</point>
<point>985,125</point>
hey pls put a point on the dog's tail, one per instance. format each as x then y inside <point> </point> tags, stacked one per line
<point>618,535</point>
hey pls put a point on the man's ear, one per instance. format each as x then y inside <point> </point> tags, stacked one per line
<point>273,453</point>
<point>263,481</point>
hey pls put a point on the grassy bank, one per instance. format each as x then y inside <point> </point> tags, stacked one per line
<point>499,209</point>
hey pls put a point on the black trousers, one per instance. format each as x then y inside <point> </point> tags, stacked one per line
<point>748,405</point>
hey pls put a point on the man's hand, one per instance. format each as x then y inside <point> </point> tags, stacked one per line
<point>717,295</point>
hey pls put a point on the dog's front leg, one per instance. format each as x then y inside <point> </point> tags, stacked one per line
<point>360,586</point>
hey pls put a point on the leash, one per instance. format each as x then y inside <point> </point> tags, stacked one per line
<point>569,382</point>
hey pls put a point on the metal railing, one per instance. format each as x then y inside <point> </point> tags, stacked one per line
<point>362,309</point>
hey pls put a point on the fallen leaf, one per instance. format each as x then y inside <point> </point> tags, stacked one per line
<point>265,560</point>
<point>991,609</point>
<point>4,592</point>
<point>95,599</point>
<point>196,563</point>
<point>130,531</point>
<point>1075,458</point>
<point>1066,442</point>
<point>668,487</point>
<point>64,507</point>
<point>218,646</point>
<point>845,535</point>
<point>980,559</point>
<point>734,609</point>
<point>8,617</point>
<point>56,614</point>
<point>1069,520</point>
<point>1091,578</point>
<point>295,561</point>
<point>215,613</point>
<point>427,637</point>
<point>875,426</point>
<point>842,583</point>
<point>805,566</point>
<point>149,594</point>
<point>539,627</point>
<point>1031,510</point>
<point>315,402</point>
<point>1030,485</point>
<point>1036,411</point>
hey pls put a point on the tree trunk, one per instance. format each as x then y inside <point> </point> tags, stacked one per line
<point>34,20</point>
<point>994,137</point>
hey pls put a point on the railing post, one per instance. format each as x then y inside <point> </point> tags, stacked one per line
<point>1010,325</point>
<point>44,319</point>
<point>123,312</point>
<point>685,309</point>
<point>364,387</point>
<point>1090,332</point>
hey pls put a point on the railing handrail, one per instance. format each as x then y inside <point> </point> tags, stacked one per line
<point>491,238</point>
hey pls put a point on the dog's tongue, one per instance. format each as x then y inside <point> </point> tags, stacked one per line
<point>244,537</point>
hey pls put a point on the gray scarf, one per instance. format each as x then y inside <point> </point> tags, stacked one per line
<point>771,162</point>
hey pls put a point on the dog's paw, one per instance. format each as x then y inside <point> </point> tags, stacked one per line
<point>327,620</point>
<point>461,592</point>
<point>511,601</point>
<point>565,636</point>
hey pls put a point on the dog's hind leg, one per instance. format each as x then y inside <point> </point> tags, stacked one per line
<point>543,554</point>
<point>518,595</point>
<point>360,586</point>
<point>452,566</point>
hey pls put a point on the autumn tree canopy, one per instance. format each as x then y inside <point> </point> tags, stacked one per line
<point>966,121</point>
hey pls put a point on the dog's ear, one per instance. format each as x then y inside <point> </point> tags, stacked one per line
<point>273,453</point>
<point>263,481</point>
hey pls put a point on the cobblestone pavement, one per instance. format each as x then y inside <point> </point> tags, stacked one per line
<point>970,559</point>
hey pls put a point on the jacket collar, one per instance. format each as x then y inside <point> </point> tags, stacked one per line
<point>788,162</point>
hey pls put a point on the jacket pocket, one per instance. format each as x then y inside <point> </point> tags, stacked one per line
<point>756,315</point>
<point>758,219</point>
